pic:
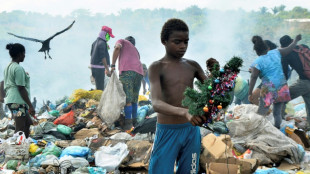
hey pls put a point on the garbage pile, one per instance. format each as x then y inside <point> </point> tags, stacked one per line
<point>246,142</point>
<point>73,136</point>
<point>70,136</point>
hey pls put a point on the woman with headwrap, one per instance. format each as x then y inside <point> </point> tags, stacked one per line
<point>100,58</point>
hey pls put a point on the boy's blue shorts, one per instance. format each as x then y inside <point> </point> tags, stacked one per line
<point>179,143</point>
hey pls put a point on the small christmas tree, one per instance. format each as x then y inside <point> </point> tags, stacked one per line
<point>214,94</point>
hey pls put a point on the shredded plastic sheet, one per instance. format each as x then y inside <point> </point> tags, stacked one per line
<point>268,143</point>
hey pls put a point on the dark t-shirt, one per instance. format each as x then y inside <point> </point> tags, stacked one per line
<point>99,50</point>
<point>294,61</point>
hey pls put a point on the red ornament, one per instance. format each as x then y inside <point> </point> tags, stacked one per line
<point>211,101</point>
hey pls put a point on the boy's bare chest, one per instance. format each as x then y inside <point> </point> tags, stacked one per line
<point>178,75</point>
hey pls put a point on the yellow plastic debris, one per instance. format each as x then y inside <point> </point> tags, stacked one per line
<point>84,114</point>
<point>81,93</point>
<point>91,103</point>
<point>142,98</point>
<point>33,148</point>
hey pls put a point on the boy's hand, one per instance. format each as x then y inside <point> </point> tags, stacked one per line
<point>198,120</point>
<point>195,120</point>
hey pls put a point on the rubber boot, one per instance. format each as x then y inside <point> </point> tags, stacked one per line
<point>134,122</point>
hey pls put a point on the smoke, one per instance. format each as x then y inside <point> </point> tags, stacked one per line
<point>217,34</point>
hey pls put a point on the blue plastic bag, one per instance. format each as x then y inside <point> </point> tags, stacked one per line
<point>270,171</point>
<point>76,151</point>
<point>142,111</point>
<point>96,170</point>
<point>36,161</point>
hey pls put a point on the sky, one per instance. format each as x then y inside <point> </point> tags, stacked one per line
<point>54,79</point>
<point>65,7</point>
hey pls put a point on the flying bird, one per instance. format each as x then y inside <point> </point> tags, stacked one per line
<point>45,43</point>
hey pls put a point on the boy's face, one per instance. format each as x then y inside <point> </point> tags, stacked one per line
<point>177,43</point>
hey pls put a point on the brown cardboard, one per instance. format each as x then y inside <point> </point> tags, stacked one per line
<point>285,166</point>
<point>217,146</point>
<point>222,168</point>
<point>139,154</point>
<point>245,165</point>
<point>84,133</point>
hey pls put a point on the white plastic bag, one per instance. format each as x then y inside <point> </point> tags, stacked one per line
<point>76,162</point>
<point>112,100</point>
<point>121,136</point>
<point>50,160</point>
<point>111,157</point>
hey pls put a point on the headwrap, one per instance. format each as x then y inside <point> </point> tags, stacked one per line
<point>103,35</point>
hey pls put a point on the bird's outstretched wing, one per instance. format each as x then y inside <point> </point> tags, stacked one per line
<point>27,38</point>
<point>61,31</point>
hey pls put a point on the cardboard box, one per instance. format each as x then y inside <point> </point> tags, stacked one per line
<point>218,147</point>
<point>222,168</point>
<point>245,165</point>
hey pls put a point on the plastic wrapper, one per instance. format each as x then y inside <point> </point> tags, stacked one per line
<point>12,164</point>
<point>66,119</point>
<point>52,149</point>
<point>110,157</point>
<point>76,151</point>
<point>54,113</point>
<point>64,129</point>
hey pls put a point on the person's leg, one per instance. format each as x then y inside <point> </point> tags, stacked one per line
<point>277,109</point>
<point>2,113</point>
<point>165,150</point>
<point>127,81</point>
<point>306,98</point>
<point>98,74</point>
<point>302,88</point>
<point>20,115</point>
<point>188,158</point>
<point>136,89</point>
<point>262,110</point>
<point>100,79</point>
<point>296,89</point>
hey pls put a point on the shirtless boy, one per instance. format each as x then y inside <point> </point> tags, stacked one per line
<point>177,134</point>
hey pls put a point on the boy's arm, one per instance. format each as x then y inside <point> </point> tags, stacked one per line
<point>159,105</point>
<point>200,75</point>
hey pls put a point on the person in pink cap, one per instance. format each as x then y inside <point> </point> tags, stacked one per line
<point>100,58</point>
<point>130,74</point>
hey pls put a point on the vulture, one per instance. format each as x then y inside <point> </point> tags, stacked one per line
<point>45,43</point>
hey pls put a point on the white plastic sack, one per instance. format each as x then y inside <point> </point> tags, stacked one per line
<point>121,136</point>
<point>45,115</point>
<point>268,143</point>
<point>50,160</point>
<point>111,157</point>
<point>112,100</point>
<point>76,162</point>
